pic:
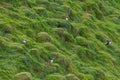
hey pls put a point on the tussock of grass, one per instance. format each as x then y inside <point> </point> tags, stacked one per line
<point>56,48</point>
<point>55,77</point>
<point>72,77</point>
<point>43,37</point>
<point>23,76</point>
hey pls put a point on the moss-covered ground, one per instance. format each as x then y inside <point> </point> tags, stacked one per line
<point>35,32</point>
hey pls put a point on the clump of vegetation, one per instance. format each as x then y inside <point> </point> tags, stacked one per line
<point>43,37</point>
<point>23,76</point>
<point>63,61</point>
<point>35,53</point>
<point>40,10</point>
<point>50,47</point>
<point>58,31</point>
<point>72,77</point>
<point>52,38</point>
<point>55,77</point>
<point>67,37</point>
<point>82,41</point>
<point>102,37</point>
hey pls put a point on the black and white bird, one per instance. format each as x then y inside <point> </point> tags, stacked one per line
<point>108,42</point>
<point>52,60</point>
<point>67,18</point>
<point>25,41</point>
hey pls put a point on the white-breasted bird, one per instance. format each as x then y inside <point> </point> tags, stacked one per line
<point>52,60</point>
<point>108,42</point>
<point>25,41</point>
<point>67,18</point>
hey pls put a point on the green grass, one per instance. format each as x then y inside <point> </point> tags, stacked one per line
<point>77,45</point>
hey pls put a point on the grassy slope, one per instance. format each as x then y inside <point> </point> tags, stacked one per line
<point>78,45</point>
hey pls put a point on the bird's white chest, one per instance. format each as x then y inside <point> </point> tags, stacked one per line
<point>51,61</point>
<point>109,42</point>
<point>66,18</point>
<point>24,41</point>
